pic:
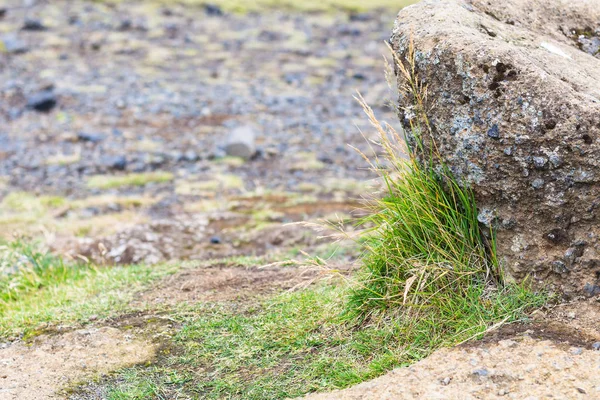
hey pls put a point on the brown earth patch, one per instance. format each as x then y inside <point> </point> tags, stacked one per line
<point>38,370</point>
<point>226,283</point>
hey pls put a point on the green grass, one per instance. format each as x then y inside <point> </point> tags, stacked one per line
<point>283,347</point>
<point>288,346</point>
<point>38,289</point>
<point>427,261</point>
<point>244,6</point>
<point>117,181</point>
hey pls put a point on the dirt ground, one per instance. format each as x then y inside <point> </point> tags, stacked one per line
<point>38,370</point>
<point>556,356</point>
<point>518,368</point>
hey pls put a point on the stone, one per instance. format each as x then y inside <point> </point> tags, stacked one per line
<point>190,156</point>
<point>3,12</point>
<point>591,290</point>
<point>530,130</point>
<point>12,45</point>
<point>240,143</point>
<point>213,10</point>
<point>43,101</point>
<point>90,137</point>
<point>117,163</point>
<point>577,351</point>
<point>31,24</point>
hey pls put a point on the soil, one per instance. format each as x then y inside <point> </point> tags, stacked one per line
<point>39,370</point>
<point>223,283</point>
<point>552,356</point>
<point>518,368</point>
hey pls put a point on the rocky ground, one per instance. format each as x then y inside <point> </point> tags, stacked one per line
<point>114,122</point>
<point>136,105</point>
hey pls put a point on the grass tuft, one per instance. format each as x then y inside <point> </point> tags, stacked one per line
<point>38,289</point>
<point>426,261</point>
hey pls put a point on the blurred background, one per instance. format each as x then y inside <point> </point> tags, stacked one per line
<point>148,130</point>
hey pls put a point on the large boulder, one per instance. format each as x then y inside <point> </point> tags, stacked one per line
<point>513,96</point>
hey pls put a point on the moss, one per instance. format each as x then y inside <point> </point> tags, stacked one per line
<point>116,181</point>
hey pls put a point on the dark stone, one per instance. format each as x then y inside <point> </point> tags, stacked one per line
<point>556,236</point>
<point>559,267</point>
<point>215,240</point>
<point>213,9</point>
<point>591,290</point>
<point>349,31</point>
<point>31,24</point>
<point>118,163</point>
<point>43,101</point>
<point>90,137</point>
<point>362,17</point>
<point>494,132</point>
<point>3,12</point>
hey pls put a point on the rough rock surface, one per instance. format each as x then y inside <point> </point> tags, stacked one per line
<point>514,99</point>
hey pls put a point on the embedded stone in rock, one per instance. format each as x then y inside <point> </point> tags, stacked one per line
<point>515,107</point>
<point>240,143</point>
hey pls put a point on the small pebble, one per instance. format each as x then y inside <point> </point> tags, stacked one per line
<point>596,346</point>
<point>537,183</point>
<point>43,101</point>
<point>33,25</point>
<point>494,132</point>
<point>215,240</point>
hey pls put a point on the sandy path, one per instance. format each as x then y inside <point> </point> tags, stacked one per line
<point>39,370</point>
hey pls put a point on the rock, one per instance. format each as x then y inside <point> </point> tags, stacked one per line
<point>190,156</point>
<point>90,137</point>
<point>117,163</point>
<point>591,290</point>
<point>596,346</point>
<point>31,24</point>
<point>240,143</point>
<point>213,9</point>
<point>43,101</point>
<point>577,351</point>
<point>12,45</point>
<point>215,240</point>
<point>3,12</point>
<point>524,92</point>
